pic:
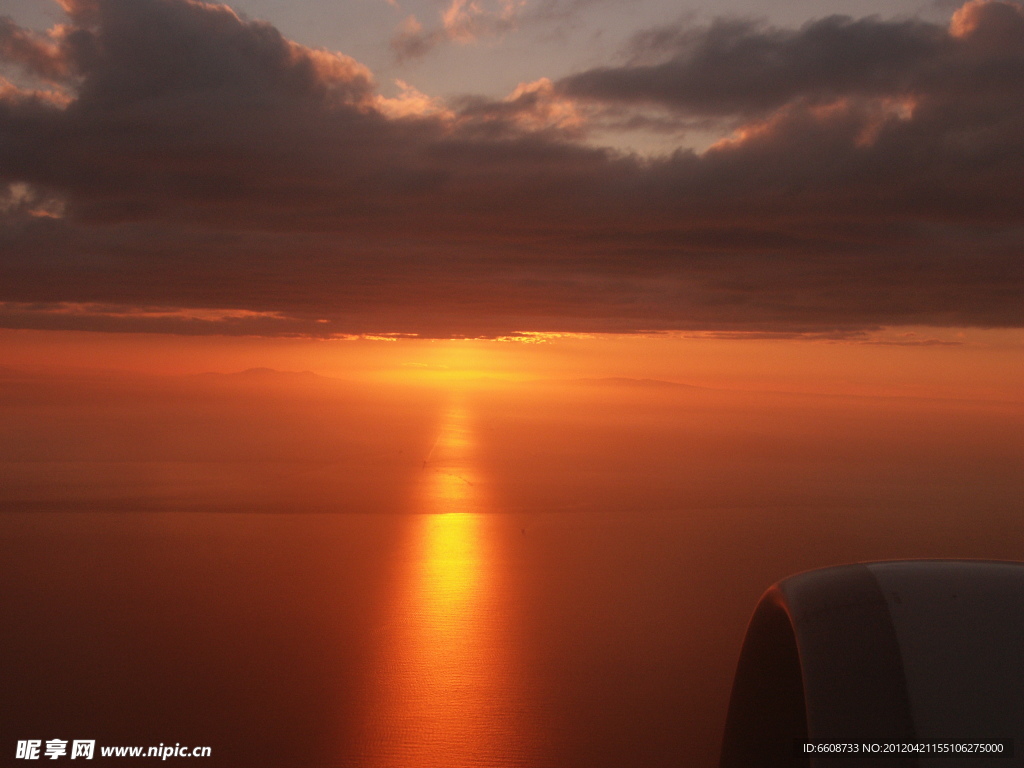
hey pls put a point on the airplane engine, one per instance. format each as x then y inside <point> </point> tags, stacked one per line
<point>906,663</point>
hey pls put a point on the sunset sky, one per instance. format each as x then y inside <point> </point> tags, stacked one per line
<point>486,169</point>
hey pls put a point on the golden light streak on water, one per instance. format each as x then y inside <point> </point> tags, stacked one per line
<point>446,693</point>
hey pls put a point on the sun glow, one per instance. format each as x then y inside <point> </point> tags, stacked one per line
<point>456,363</point>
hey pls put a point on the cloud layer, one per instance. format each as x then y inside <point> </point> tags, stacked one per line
<point>181,168</point>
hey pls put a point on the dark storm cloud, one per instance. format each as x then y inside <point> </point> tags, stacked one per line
<point>736,67</point>
<point>191,159</point>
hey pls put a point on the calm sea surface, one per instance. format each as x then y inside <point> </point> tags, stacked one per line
<point>308,578</point>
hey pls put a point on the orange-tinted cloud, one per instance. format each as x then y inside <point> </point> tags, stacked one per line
<point>463,21</point>
<point>39,54</point>
<point>203,161</point>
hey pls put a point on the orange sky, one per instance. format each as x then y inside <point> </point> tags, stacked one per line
<point>914,362</point>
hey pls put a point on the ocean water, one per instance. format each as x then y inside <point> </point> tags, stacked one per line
<point>304,573</point>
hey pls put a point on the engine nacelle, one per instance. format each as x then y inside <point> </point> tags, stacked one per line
<point>924,652</point>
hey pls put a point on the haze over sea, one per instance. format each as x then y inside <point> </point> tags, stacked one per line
<point>297,570</point>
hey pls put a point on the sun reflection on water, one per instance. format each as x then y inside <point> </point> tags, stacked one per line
<point>446,694</point>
